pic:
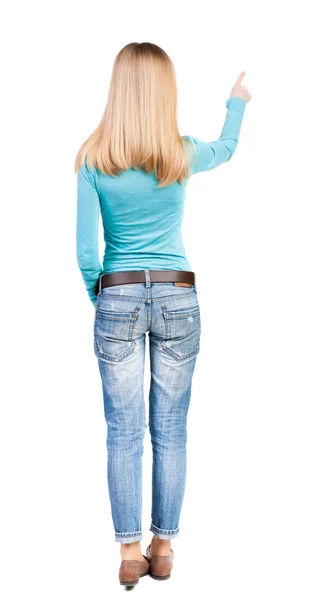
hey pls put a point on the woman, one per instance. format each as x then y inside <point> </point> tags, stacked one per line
<point>133,171</point>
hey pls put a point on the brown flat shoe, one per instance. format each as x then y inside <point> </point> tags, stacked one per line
<point>160,566</point>
<point>131,570</point>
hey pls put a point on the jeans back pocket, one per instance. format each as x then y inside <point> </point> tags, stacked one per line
<point>113,334</point>
<point>182,332</point>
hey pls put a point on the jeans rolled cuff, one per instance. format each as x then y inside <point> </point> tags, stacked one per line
<point>128,538</point>
<point>164,534</point>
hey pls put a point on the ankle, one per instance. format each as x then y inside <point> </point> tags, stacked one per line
<point>131,551</point>
<point>160,546</point>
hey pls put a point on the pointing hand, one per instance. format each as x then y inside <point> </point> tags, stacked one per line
<point>240,91</point>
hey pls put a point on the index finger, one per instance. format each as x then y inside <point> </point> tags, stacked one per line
<point>240,78</point>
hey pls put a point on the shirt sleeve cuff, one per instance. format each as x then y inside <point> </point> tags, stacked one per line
<point>236,101</point>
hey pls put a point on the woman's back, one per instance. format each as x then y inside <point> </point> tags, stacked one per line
<point>141,221</point>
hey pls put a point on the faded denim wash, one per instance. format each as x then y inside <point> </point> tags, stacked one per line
<point>171,316</point>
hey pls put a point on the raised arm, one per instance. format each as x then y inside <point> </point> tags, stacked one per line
<point>208,155</point>
<point>88,213</point>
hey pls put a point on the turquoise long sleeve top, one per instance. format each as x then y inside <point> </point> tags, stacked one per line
<point>142,223</point>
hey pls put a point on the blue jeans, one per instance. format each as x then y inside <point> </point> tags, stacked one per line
<point>171,315</point>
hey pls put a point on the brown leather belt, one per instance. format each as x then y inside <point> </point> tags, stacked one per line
<point>179,278</point>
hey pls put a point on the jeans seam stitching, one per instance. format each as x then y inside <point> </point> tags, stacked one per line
<point>143,299</point>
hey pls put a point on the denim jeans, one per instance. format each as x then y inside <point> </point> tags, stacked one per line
<point>171,316</point>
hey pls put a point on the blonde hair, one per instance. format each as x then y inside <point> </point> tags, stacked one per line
<point>139,124</point>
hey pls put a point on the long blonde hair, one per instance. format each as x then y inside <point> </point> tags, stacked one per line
<point>139,124</point>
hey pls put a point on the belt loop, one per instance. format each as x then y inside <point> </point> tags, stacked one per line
<point>194,277</point>
<point>147,278</point>
<point>100,283</point>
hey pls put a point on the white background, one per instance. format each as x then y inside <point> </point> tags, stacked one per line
<point>251,522</point>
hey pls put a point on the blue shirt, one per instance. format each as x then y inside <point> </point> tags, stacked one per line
<point>142,223</point>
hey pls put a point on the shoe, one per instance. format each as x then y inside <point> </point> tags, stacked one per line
<point>131,570</point>
<point>160,566</point>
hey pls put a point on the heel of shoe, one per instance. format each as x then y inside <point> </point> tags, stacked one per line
<point>160,564</point>
<point>129,583</point>
<point>160,577</point>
